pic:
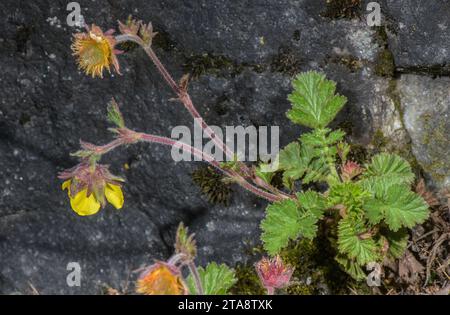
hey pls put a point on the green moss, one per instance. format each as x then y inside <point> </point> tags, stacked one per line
<point>286,62</point>
<point>247,282</point>
<point>163,40</point>
<point>346,126</point>
<point>379,141</point>
<point>438,70</point>
<point>198,65</point>
<point>347,9</point>
<point>212,185</point>
<point>300,289</point>
<point>351,63</point>
<point>385,65</point>
<point>358,153</point>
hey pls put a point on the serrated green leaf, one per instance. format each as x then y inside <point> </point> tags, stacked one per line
<point>397,205</point>
<point>314,103</point>
<point>317,171</point>
<point>351,267</point>
<point>280,225</point>
<point>349,194</point>
<point>351,244</point>
<point>287,220</point>
<point>216,279</point>
<point>263,172</point>
<point>390,167</point>
<point>398,241</point>
<point>313,202</point>
<point>322,137</point>
<point>294,160</point>
<point>114,114</point>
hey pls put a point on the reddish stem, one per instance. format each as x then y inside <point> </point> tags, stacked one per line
<point>188,104</point>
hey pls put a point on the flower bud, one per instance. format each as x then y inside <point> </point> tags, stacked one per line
<point>273,273</point>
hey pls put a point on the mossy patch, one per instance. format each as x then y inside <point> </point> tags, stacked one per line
<point>247,281</point>
<point>208,63</point>
<point>212,185</point>
<point>286,62</point>
<point>350,62</point>
<point>385,62</point>
<point>347,9</point>
<point>358,153</point>
<point>163,40</point>
<point>439,70</point>
<point>385,65</point>
<point>379,140</point>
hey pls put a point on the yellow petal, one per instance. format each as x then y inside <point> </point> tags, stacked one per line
<point>84,205</point>
<point>66,185</point>
<point>114,195</point>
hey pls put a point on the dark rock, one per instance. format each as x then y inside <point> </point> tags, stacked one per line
<point>419,34</point>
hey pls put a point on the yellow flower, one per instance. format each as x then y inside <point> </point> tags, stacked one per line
<point>161,280</point>
<point>95,51</point>
<point>88,204</point>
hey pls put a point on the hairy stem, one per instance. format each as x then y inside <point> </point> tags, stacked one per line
<point>139,136</point>
<point>188,104</point>
<point>194,272</point>
<point>182,94</point>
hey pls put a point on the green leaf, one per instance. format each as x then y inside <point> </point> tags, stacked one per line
<point>349,194</point>
<point>322,137</point>
<point>280,225</point>
<point>351,267</point>
<point>294,160</point>
<point>397,205</point>
<point>390,167</point>
<point>398,241</point>
<point>216,279</point>
<point>314,103</point>
<point>317,171</point>
<point>287,220</point>
<point>350,242</point>
<point>313,202</point>
<point>114,114</point>
<point>264,172</point>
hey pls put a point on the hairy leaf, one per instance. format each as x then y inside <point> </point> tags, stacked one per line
<point>280,225</point>
<point>322,137</point>
<point>313,202</point>
<point>349,194</point>
<point>351,267</point>
<point>294,160</point>
<point>216,279</point>
<point>398,242</point>
<point>314,102</point>
<point>390,167</point>
<point>351,242</point>
<point>287,220</point>
<point>397,205</point>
